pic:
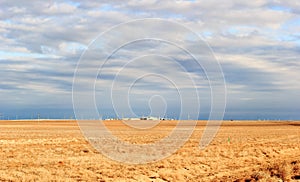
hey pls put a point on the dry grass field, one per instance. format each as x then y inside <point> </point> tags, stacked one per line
<point>57,151</point>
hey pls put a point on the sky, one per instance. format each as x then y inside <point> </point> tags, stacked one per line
<point>44,44</point>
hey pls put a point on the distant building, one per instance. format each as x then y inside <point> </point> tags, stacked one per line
<point>131,118</point>
<point>141,118</point>
<point>149,118</point>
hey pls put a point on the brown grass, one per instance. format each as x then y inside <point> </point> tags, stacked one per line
<point>56,150</point>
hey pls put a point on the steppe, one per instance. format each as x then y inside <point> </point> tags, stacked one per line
<point>241,151</point>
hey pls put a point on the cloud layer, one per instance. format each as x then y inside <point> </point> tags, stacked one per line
<point>256,43</point>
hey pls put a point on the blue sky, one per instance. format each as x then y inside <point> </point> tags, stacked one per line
<point>256,43</point>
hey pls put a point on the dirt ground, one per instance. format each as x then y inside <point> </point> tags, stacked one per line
<point>241,151</point>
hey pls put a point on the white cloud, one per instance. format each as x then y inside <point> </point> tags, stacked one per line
<point>41,43</point>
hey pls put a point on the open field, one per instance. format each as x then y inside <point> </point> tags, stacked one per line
<point>56,150</point>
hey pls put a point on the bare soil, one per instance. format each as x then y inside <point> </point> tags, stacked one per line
<point>241,151</point>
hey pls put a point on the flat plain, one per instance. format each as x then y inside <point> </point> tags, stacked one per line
<point>241,151</point>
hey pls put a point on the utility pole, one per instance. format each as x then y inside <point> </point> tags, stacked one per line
<point>39,118</point>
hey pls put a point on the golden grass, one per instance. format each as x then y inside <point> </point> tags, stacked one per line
<point>56,150</point>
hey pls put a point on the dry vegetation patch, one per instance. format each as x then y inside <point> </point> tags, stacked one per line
<point>241,151</point>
